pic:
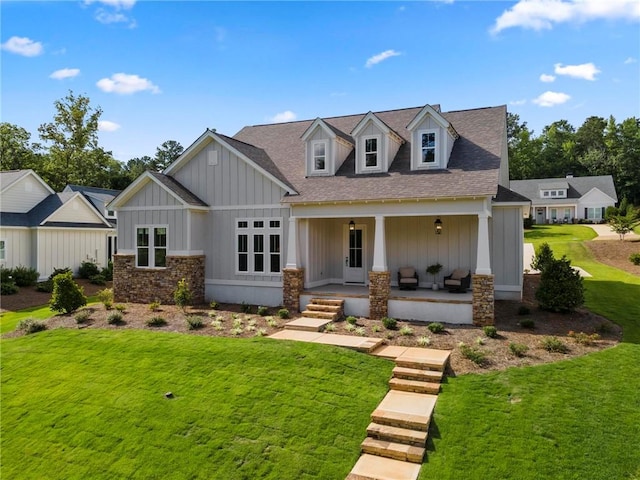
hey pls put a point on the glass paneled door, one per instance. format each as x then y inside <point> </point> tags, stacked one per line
<point>355,255</point>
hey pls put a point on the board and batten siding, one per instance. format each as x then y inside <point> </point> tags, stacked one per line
<point>17,245</point>
<point>64,247</point>
<point>152,195</point>
<point>175,219</point>
<point>75,211</point>
<point>444,145</point>
<point>507,231</point>
<point>22,196</point>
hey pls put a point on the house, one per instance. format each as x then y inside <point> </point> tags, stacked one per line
<point>568,200</point>
<point>281,212</point>
<point>45,230</point>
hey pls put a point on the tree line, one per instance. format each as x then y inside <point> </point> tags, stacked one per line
<point>70,152</point>
<point>598,147</point>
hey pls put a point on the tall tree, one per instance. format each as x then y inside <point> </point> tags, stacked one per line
<point>626,160</point>
<point>16,151</point>
<point>166,154</point>
<point>74,153</point>
<point>557,157</point>
<point>524,149</point>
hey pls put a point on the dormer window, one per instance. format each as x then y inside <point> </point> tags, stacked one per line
<point>428,141</point>
<point>371,152</point>
<point>319,156</point>
<point>432,139</point>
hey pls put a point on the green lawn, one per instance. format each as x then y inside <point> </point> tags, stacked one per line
<point>90,404</point>
<point>577,419</point>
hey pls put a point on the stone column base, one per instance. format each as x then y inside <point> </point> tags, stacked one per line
<point>292,288</point>
<point>146,285</point>
<point>483,299</point>
<point>379,289</point>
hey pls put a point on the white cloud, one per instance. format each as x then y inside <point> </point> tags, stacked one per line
<point>547,78</point>
<point>107,126</point>
<point>106,17</point>
<point>517,103</point>
<point>630,60</point>
<point>23,46</point>
<point>65,73</point>
<point>126,84</point>
<point>550,99</point>
<point>543,14</point>
<point>286,116</point>
<point>586,71</point>
<point>381,57</point>
<point>117,4</point>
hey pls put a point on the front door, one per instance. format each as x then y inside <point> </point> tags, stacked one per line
<point>354,260</point>
<point>540,216</point>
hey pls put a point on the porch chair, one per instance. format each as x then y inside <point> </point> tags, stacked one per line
<point>458,281</point>
<point>407,278</point>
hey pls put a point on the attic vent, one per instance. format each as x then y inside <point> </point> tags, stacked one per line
<point>212,158</point>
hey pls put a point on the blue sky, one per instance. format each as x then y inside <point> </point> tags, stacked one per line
<point>168,70</point>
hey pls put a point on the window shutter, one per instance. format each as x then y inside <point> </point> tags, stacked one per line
<point>586,213</point>
<point>603,212</point>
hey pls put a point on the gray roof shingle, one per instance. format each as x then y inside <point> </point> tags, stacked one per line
<point>180,190</point>
<point>577,187</point>
<point>473,168</point>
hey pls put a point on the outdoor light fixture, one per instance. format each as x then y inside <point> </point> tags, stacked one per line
<point>438,225</point>
<point>352,226</point>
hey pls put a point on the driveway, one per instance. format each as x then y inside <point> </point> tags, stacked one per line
<point>605,233</point>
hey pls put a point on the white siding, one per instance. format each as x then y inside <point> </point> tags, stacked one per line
<point>75,210</point>
<point>25,194</point>
<point>58,248</point>
<point>17,247</point>
<point>595,198</point>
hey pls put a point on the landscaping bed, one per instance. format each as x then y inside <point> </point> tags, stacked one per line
<point>615,253</point>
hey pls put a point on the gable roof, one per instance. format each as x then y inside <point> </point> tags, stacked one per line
<point>372,117</point>
<point>333,131</point>
<point>8,178</point>
<point>505,195</point>
<point>473,169</point>
<point>576,187</point>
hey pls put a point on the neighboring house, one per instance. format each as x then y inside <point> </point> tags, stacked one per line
<point>568,200</point>
<point>269,215</point>
<point>45,230</point>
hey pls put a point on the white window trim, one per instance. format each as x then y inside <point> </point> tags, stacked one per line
<point>3,250</point>
<point>266,231</point>
<point>151,247</point>
<point>326,156</point>
<point>436,163</point>
<point>363,155</point>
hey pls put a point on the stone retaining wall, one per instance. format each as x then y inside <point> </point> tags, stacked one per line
<point>292,288</point>
<point>379,289</point>
<point>483,299</point>
<point>146,285</point>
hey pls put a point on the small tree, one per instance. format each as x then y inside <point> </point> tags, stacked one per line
<point>623,224</point>
<point>182,294</point>
<point>561,287</point>
<point>543,257</point>
<point>67,295</point>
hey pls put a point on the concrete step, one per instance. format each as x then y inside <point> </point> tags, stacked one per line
<point>324,308</point>
<point>372,467</point>
<point>405,410</point>
<point>416,386</point>
<point>370,345</point>
<point>417,374</point>
<point>325,315</point>
<point>307,324</point>
<point>397,451</point>
<point>417,438</point>
<point>327,301</point>
<point>400,420</point>
<point>424,359</point>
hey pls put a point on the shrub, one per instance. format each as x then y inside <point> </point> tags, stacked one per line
<point>527,323</point>
<point>582,338</point>
<point>542,258</point>
<point>194,322</point>
<point>283,313</point>
<point>6,275</point>
<point>8,288</point>
<point>88,270</point>
<point>635,258</point>
<point>490,331</point>
<point>24,276</point>
<point>262,311</point>
<point>475,355</point>
<point>97,280</point>
<point>58,271</point>
<point>155,322</point>
<point>250,328</point>
<point>261,332</point>
<point>435,327</point>
<point>406,331</point>
<point>245,307</point>
<point>360,331</point>
<point>31,325</point>
<point>115,318</point>
<point>554,345</point>
<point>67,295</point>
<point>154,306</point>
<point>518,349</point>
<point>272,322</point>
<point>82,316</point>
<point>107,272</point>
<point>214,305</point>
<point>330,327</point>
<point>523,310</point>
<point>237,331</point>
<point>182,294</point>
<point>120,307</point>
<point>376,328</point>
<point>561,288</point>
<point>237,322</point>
<point>217,325</point>
<point>46,286</point>
<point>105,296</point>
<point>528,222</point>
<point>424,341</point>
<point>389,323</point>
<point>349,327</point>
<point>352,320</point>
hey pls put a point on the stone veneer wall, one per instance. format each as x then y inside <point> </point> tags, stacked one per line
<point>292,288</point>
<point>146,285</point>
<point>379,289</point>
<point>483,299</point>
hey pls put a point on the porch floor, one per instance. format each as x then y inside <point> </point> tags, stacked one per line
<point>418,295</point>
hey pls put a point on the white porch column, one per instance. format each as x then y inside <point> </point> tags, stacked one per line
<point>379,247</point>
<point>292,243</point>
<point>483,266</point>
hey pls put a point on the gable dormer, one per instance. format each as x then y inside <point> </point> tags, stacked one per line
<point>432,139</point>
<point>376,145</point>
<point>326,148</point>
<point>553,190</point>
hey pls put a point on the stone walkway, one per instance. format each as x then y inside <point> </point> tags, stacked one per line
<point>396,438</point>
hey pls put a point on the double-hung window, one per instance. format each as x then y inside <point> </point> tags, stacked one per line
<point>258,244</point>
<point>3,252</point>
<point>151,246</point>
<point>428,147</point>
<point>371,152</point>
<point>319,156</point>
